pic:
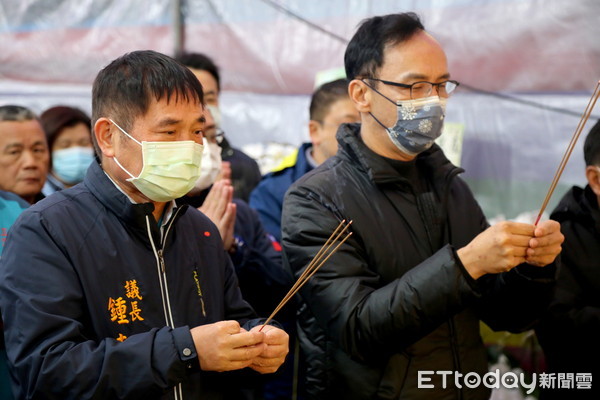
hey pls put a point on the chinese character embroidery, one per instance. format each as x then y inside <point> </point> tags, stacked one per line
<point>118,310</point>
<point>135,312</point>
<point>132,290</point>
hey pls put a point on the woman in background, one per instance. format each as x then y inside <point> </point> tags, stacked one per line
<point>69,140</point>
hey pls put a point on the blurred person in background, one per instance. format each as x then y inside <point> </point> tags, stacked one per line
<point>570,328</point>
<point>23,168</point>
<point>245,173</point>
<point>330,106</point>
<point>69,140</point>
<point>24,155</point>
<point>255,256</point>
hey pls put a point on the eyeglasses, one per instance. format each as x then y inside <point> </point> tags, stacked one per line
<point>217,137</point>
<point>423,88</point>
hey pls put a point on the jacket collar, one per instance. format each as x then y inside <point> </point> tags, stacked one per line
<point>579,204</point>
<point>302,164</point>
<point>113,199</point>
<point>432,162</point>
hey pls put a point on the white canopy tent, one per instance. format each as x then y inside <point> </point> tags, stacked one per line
<point>531,66</point>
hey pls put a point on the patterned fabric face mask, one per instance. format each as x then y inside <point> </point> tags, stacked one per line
<point>419,124</point>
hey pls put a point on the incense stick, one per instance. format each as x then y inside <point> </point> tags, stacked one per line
<point>586,114</point>
<point>317,262</point>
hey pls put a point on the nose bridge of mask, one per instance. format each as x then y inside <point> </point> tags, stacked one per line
<point>168,153</point>
<point>423,102</point>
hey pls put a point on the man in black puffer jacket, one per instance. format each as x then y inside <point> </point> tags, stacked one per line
<point>399,304</point>
<point>572,320</point>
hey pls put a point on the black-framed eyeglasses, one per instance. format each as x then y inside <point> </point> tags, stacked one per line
<point>422,89</point>
<point>217,137</point>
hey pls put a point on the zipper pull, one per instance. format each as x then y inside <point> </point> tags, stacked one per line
<point>161,260</point>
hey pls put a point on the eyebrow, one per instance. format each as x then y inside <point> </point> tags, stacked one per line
<point>167,122</point>
<point>413,75</point>
<point>13,145</point>
<point>172,121</point>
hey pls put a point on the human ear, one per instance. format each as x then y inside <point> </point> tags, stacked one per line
<point>314,130</point>
<point>360,95</point>
<point>592,173</point>
<point>105,137</point>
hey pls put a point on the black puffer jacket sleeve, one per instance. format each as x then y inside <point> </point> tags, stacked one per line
<point>369,321</point>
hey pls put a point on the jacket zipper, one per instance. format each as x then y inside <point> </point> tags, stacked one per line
<point>162,278</point>
<point>199,289</point>
<point>453,339</point>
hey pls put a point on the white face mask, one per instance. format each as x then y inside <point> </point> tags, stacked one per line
<point>216,114</point>
<point>211,165</point>
<point>169,169</point>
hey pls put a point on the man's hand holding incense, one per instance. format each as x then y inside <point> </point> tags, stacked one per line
<point>273,355</point>
<point>545,246</point>
<point>507,244</point>
<point>225,346</point>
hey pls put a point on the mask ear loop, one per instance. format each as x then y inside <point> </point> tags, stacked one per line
<point>127,134</point>
<point>388,130</point>
<point>130,137</point>
<point>381,94</point>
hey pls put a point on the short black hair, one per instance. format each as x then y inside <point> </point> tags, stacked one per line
<point>325,96</point>
<point>123,90</point>
<point>364,54</point>
<point>202,62</point>
<point>591,147</point>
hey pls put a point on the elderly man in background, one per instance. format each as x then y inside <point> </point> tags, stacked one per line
<point>24,155</point>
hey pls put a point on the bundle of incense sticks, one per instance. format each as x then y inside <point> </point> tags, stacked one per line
<point>563,162</point>
<point>317,262</point>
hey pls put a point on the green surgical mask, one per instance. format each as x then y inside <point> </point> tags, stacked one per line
<point>169,169</point>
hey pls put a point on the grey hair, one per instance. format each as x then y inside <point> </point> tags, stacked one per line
<point>16,113</point>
